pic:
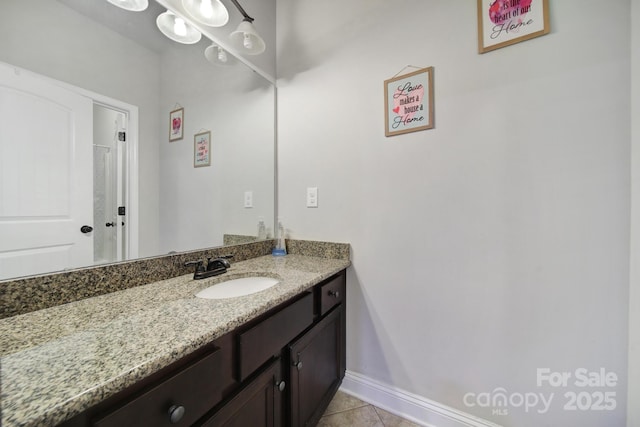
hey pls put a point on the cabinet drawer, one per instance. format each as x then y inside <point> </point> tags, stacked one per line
<point>332,293</point>
<point>195,388</point>
<point>268,337</point>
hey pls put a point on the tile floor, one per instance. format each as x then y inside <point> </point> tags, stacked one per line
<point>346,410</point>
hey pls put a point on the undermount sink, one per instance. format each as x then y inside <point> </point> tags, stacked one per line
<point>237,287</point>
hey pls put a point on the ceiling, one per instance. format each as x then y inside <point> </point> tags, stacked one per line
<point>138,26</point>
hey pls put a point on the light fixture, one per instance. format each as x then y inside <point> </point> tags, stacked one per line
<point>207,12</point>
<point>246,38</point>
<point>132,5</point>
<point>177,29</point>
<point>218,56</point>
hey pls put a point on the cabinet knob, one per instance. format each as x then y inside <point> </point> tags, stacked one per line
<point>298,365</point>
<point>281,385</point>
<point>334,294</point>
<point>176,412</point>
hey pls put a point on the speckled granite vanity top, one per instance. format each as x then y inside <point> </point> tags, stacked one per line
<point>59,361</point>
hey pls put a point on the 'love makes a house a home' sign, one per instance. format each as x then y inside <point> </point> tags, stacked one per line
<point>408,102</point>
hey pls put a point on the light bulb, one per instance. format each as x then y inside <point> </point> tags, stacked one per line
<point>206,8</point>
<point>179,27</point>
<point>248,43</point>
<point>222,55</point>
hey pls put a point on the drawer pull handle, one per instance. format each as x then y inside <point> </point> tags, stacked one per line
<point>281,385</point>
<point>176,412</point>
<point>334,294</point>
<point>298,365</point>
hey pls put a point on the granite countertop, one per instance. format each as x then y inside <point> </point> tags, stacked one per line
<point>57,362</point>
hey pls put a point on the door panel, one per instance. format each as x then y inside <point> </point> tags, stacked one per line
<point>258,404</point>
<point>316,368</point>
<point>45,175</point>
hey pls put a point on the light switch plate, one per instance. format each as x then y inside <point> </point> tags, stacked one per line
<point>248,199</point>
<point>312,197</point>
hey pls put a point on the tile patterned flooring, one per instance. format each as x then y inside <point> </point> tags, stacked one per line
<point>346,410</point>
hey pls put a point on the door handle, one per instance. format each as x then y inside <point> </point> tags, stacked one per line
<point>86,229</point>
<point>111,224</point>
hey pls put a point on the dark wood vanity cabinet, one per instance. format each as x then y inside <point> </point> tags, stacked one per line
<point>316,368</point>
<point>317,359</point>
<point>280,370</point>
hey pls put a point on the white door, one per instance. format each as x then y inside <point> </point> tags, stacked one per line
<point>46,178</point>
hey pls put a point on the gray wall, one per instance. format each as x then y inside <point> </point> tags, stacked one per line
<point>634,297</point>
<point>496,243</point>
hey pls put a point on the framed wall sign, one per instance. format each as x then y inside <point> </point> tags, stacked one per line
<point>202,149</point>
<point>176,124</point>
<point>408,102</point>
<point>505,22</point>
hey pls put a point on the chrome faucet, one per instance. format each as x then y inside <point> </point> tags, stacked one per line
<point>215,266</point>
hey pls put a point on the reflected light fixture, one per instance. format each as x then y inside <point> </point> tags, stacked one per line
<point>207,12</point>
<point>177,29</point>
<point>218,56</point>
<point>132,5</point>
<point>246,38</point>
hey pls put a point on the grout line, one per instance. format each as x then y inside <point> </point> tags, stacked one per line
<point>375,408</point>
<point>364,405</point>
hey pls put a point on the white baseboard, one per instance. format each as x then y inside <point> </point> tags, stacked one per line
<point>407,405</point>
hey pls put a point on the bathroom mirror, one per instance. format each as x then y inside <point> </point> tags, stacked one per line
<point>182,201</point>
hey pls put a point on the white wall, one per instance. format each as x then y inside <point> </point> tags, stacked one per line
<point>199,205</point>
<point>494,244</point>
<point>634,297</point>
<point>46,37</point>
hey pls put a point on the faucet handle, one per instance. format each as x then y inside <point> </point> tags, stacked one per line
<point>199,265</point>
<point>220,262</point>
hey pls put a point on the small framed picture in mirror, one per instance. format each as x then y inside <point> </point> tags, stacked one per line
<point>176,124</point>
<point>202,149</point>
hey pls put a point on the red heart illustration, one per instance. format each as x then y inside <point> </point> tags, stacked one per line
<point>395,110</point>
<point>501,11</point>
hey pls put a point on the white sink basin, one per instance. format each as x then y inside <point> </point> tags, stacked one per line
<point>237,287</point>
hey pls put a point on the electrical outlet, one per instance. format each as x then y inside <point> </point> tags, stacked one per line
<point>312,197</point>
<point>248,199</point>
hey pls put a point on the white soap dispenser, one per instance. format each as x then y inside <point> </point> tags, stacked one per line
<point>281,246</point>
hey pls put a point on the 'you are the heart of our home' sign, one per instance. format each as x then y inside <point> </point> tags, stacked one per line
<point>408,102</point>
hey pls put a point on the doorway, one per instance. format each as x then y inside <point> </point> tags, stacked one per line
<point>109,184</point>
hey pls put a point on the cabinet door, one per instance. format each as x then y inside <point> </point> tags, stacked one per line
<point>317,366</point>
<point>258,404</point>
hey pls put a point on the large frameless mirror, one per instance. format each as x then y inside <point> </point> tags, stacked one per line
<point>92,170</point>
